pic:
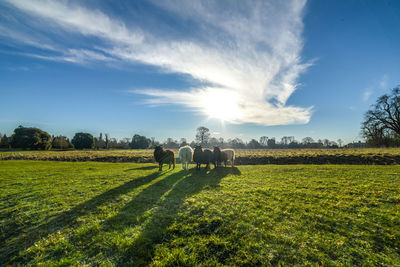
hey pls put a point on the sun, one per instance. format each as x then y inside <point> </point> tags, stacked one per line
<point>221,104</point>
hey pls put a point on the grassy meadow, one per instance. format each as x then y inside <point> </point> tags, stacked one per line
<point>93,213</point>
<point>369,156</point>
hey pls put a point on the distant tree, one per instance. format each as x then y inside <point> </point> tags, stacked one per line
<point>124,143</point>
<point>112,143</point>
<point>326,142</point>
<point>236,143</point>
<point>140,142</point>
<point>30,138</point>
<point>254,144</point>
<point>307,140</point>
<point>61,142</point>
<point>294,144</point>
<point>193,144</point>
<point>4,142</point>
<point>213,142</point>
<point>264,140</point>
<point>333,144</point>
<point>340,142</point>
<point>171,143</point>
<point>83,141</point>
<point>286,140</point>
<point>271,143</point>
<point>221,142</point>
<point>183,142</point>
<point>99,143</point>
<point>202,135</point>
<point>107,141</point>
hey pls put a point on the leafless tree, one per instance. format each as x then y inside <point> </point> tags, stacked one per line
<point>202,136</point>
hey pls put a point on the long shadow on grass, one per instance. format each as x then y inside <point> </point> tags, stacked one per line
<point>26,236</point>
<point>163,201</point>
<point>142,168</point>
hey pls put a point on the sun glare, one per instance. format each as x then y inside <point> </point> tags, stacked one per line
<point>221,104</point>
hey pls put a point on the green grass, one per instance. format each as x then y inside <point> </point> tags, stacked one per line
<point>91,213</point>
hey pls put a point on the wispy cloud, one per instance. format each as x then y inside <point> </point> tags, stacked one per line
<point>376,87</point>
<point>367,93</point>
<point>246,53</point>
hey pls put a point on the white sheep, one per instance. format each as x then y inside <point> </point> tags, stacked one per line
<point>230,153</point>
<point>185,154</point>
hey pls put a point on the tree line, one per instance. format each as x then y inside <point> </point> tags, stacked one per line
<point>37,139</point>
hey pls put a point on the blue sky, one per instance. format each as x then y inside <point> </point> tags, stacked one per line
<point>162,68</point>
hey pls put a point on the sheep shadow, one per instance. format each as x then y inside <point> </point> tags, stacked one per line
<point>145,168</point>
<point>163,201</point>
<point>33,233</point>
<point>147,209</point>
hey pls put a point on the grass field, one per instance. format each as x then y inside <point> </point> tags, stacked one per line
<point>96,213</point>
<point>370,156</point>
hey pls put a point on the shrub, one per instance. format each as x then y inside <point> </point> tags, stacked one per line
<point>83,140</point>
<point>140,142</point>
<point>30,138</point>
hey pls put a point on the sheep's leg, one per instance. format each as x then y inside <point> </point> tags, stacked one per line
<point>169,165</point>
<point>160,166</point>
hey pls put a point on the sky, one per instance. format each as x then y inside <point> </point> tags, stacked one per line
<point>163,68</point>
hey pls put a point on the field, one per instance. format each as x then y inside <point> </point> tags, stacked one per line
<point>375,156</point>
<point>92,213</point>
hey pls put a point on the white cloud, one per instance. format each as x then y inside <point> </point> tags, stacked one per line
<point>367,93</point>
<point>247,52</point>
<point>378,86</point>
<point>383,82</point>
<point>79,19</point>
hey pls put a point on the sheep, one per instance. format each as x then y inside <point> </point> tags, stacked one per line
<point>185,154</point>
<point>219,157</point>
<point>230,153</point>
<point>201,156</point>
<point>164,156</point>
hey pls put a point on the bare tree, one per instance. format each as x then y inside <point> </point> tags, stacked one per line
<point>264,140</point>
<point>340,142</point>
<point>307,140</point>
<point>202,135</point>
<point>285,140</point>
<point>386,112</point>
<point>326,142</point>
<point>381,125</point>
<point>221,141</point>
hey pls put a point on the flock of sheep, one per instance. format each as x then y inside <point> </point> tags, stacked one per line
<point>199,155</point>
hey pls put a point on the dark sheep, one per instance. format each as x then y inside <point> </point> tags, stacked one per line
<point>219,157</point>
<point>201,156</point>
<point>164,156</point>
